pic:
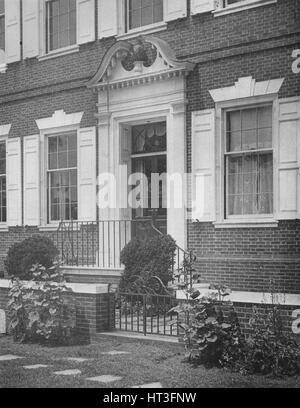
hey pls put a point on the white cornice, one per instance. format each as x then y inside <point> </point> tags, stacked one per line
<point>246,87</point>
<point>60,119</point>
<point>4,130</point>
<point>3,65</point>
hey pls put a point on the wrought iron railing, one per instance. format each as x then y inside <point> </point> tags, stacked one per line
<point>99,244</point>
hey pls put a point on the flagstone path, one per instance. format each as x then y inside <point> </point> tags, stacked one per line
<point>104,379</point>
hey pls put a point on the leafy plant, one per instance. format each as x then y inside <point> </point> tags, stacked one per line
<point>271,350</point>
<point>148,258</point>
<point>210,337</point>
<point>38,309</point>
<point>21,256</point>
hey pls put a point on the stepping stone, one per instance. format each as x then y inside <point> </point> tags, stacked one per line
<point>152,385</point>
<point>115,353</point>
<point>77,359</point>
<point>9,357</point>
<point>67,372</point>
<point>105,379</point>
<point>35,366</point>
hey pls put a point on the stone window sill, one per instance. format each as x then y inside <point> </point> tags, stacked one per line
<point>49,227</point>
<point>59,53</point>
<point>243,5</point>
<point>247,223</point>
<point>3,68</point>
<point>153,28</point>
<point>3,228</point>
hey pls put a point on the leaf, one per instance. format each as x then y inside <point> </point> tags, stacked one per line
<point>211,320</point>
<point>212,339</point>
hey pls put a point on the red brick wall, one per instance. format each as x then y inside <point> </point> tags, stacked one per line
<point>251,259</point>
<point>257,42</point>
<point>94,313</point>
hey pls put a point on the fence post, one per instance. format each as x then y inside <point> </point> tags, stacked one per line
<point>145,315</point>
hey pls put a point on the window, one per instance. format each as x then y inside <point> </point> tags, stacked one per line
<point>141,13</point>
<point>249,162</point>
<point>3,182</point>
<point>62,177</point>
<point>60,24</point>
<point>229,2</point>
<point>2,25</point>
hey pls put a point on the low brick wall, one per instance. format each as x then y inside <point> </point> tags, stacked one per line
<point>94,307</point>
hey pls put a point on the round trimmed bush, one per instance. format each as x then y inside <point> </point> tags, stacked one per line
<point>23,255</point>
<point>151,257</point>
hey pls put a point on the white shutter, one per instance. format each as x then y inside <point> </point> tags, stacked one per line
<point>12,31</point>
<point>289,158</point>
<point>107,18</point>
<point>125,160</point>
<point>174,9</point>
<point>87,174</point>
<point>201,6</point>
<point>30,28</point>
<point>31,180</point>
<point>14,204</point>
<point>203,165</point>
<point>85,21</point>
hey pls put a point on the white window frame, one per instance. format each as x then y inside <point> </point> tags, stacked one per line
<point>2,15</point>
<point>59,123</point>
<point>147,29</point>
<point>258,220</point>
<point>223,8</point>
<point>48,171</point>
<point>3,139</point>
<point>4,132</point>
<point>43,38</point>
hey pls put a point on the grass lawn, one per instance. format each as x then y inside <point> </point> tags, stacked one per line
<point>147,362</point>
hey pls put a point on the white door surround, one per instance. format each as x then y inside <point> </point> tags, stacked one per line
<point>149,93</point>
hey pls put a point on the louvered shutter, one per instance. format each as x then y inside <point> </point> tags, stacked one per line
<point>85,21</point>
<point>289,158</point>
<point>31,180</point>
<point>203,165</point>
<point>174,9</point>
<point>14,204</point>
<point>87,174</point>
<point>12,31</point>
<point>201,6</point>
<point>107,18</point>
<point>31,36</point>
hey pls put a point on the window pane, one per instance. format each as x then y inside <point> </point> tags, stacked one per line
<point>249,139</point>
<point>2,32</point>
<point>62,188</point>
<point>265,138</point>
<point>61,19</point>
<point>264,117</point>
<point>144,12</point>
<point>235,205</point>
<point>149,138</point>
<point>250,184</point>
<point>1,6</point>
<point>234,131</point>
<point>52,161</point>
<point>147,17</point>
<point>249,119</point>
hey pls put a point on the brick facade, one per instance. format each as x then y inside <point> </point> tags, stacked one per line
<point>94,312</point>
<point>257,42</point>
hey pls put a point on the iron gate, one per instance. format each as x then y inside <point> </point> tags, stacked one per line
<point>144,307</point>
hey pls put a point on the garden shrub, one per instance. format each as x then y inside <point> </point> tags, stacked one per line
<point>212,335</point>
<point>34,250</point>
<point>38,309</point>
<point>271,350</point>
<point>146,258</point>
